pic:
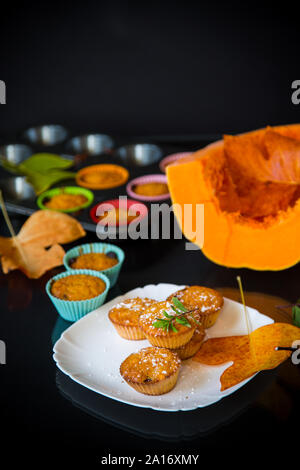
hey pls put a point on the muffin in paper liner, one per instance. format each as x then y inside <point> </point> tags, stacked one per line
<point>207,303</point>
<point>159,388</point>
<point>129,332</point>
<point>152,371</point>
<point>160,337</point>
<point>125,317</point>
<point>189,349</point>
<point>172,342</point>
<point>208,320</point>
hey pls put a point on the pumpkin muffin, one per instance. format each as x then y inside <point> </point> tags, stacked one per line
<point>171,337</point>
<point>65,201</point>
<point>151,189</point>
<point>77,287</point>
<point>109,178</point>
<point>193,346</point>
<point>94,261</point>
<point>152,371</point>
<point>125,317</point>
<point>206,302</point>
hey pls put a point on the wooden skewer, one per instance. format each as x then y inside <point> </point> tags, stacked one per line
<point>5,215</point>
<point>11,229</point>
<point>288,305</point>
<point>287,348</point>
<point>252,349</point>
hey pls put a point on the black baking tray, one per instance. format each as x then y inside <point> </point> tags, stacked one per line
<point>167,144</point>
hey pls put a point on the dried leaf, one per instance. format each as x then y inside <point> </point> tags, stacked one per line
<point>27,251</point>
<point>236,349</point>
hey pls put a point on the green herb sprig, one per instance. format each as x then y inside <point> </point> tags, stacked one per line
<point>180,311</point>
<point>295,311</point>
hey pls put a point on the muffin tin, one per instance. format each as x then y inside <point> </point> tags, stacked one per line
<point>16,188</point>
<point>139,157</point>
<point>139,154</point>
<point>91,144</point>
<point>15,153</point>
<point>46,135</point>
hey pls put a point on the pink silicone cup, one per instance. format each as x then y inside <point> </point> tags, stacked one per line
<point>143,180</point>
<point>171,159</point>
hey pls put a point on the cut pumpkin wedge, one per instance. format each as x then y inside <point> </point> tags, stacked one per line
<point>251,195</point>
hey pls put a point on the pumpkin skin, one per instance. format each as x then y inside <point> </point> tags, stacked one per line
<point>232,239</point>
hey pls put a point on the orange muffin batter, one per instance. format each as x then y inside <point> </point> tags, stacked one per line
<point>152,371</point>
<point>207,302</point>
<point>151,189</point>
<point>102,176</point>
<point>77,287</point>
<point>95,261</point>
<point>125,317</point>
<point>65,201</point>
<point>159,336</point>
<point>117,215</point>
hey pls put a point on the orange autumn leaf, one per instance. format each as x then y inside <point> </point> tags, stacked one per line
<point>36,248</point>
<point>236,349</point>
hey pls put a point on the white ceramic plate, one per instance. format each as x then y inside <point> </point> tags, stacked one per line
<point>90,352</point>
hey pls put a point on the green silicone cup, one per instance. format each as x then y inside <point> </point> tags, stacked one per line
<point>73,310</point>
<point>113,272</point>
<point>68,190</point>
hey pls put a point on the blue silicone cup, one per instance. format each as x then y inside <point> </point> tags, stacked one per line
<point>73,310</point>
<point>113,272</point>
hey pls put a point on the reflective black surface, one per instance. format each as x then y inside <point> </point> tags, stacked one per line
<point>122,67</point>
<point>48,414</point>
<point>138,158</point>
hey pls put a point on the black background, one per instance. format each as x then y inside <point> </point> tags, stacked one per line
<point>131,68</point>
<point>47,418</point>
<point>140,68</point>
